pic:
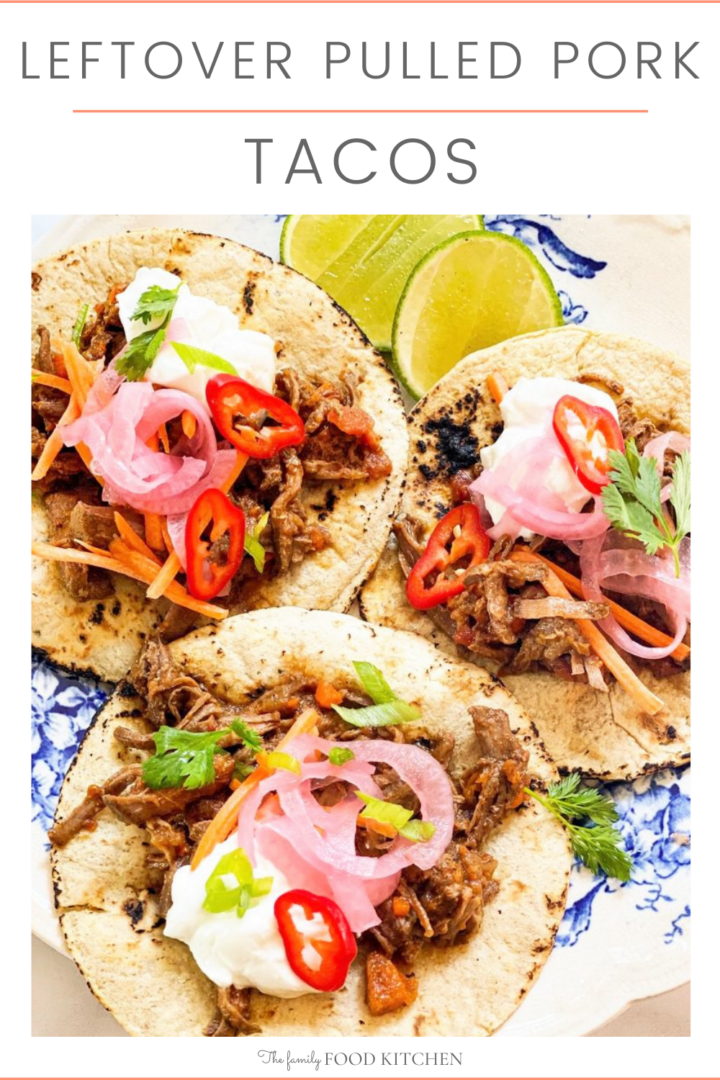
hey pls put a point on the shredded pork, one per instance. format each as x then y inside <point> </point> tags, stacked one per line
<point>442,906</point>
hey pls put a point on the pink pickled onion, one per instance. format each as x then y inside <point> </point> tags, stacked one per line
<point>419,770</point>
<point>658,447</point>
<point>178,330</point>
<point>282,779</point>
<point>176,530</point>
<point>517,484</point>
<point>316,844</point>
<point>358,899</point>
<point>631,571</point>
<point>135,475</point>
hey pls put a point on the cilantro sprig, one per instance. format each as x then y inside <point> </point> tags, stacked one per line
<point>140,353</point>
<point>632,501</point>
<point>599,844</point>
<point>186,758</point>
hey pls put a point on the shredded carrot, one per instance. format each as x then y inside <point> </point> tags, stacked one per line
<point>498,387</point>
<point>382,828</point>
<point>133,565</point>
<point>153,532</point>
<point>226,818</point>
<point>42,378</point>
<point>241,461</point>
<point>400,906</point>
<point>131,538</point>
<point>59,363</point>
<point>165,577</point>
<point>326,695</point>
<point>624,674</point>
<point>174,591</point>
<point>80,373</point>
<point>91,547</point>
<point>54,443</point>
<point>630,622</point>
<point>169,546</point>
<point>164,580</point>
<point>163,437</point>
<point>87,458</point>
<point>189,424</point>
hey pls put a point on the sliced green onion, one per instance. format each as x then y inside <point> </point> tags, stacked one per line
<point>218,895</point>
<point>191,356</point>
<point>280,760</point>
<point>393,814</point>
<point>387,812</point>
<point>245,900</point>
<point>388,707</point>
<point>80,324</point>
<point>392,712</point>
<point>261,886</point>
<point>338,755</point>
<point>374,682</point>
<point>242,771</point>
<point>418,830</point>
<point>253,547</point>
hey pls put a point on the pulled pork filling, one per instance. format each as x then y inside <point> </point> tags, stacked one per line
<point>505,615</point>
<point>442,906</point>
<point>340,447</point>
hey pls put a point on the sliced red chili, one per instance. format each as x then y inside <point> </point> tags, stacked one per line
<point>240,411</point>
<point>587,434</point>
<point>207,575</point>
<point>319,944</point>
<point>458,535</point>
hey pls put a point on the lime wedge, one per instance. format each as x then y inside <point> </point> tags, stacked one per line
<point>363,260</point>
<point>472,291</point>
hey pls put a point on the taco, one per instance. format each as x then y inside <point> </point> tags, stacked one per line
<point>440,874</point>
<point>182,382</point>
<point>543,534</point>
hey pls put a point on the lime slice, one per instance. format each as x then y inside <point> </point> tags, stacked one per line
<point>364,260</point>
<point>474,290</point>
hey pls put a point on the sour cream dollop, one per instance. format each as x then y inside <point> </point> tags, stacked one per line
<point>247,952</point>
<point>198,321</point>
<point>527,411</point>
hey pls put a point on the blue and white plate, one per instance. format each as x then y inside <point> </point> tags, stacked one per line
<point>629,941</point>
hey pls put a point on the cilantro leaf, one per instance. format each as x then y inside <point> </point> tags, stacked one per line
<point>632,501</point>
<point>140,353</point>
<point>599,845</point>
<point>182,758</point>
<point>155,302</point>
<point>186,758</point>
<point>251,738</point>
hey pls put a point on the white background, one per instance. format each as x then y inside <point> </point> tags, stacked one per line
<point>662,162</point>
